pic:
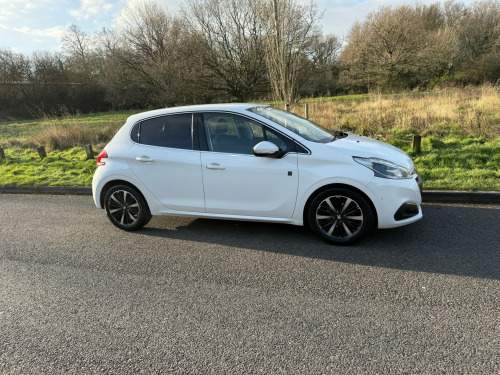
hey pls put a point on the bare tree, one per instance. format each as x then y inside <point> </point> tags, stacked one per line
<point>149,53</point>
<point>78,48</point>
<point>48,68</point>
<point>290,30</point>
<point>106,45</point>
<point>479,29</point>
<point>230,45</point>
<point>15,72</point>
<point>398,48</point>
<point>407,46</point>
<point>49,80</point>
<point>14,67</point>
<point>453,12</point>
<point>320,67</point>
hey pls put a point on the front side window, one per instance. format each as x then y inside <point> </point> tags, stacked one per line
<point>236,134</point>
<point>173,131</point>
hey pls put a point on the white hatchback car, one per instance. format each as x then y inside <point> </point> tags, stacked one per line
<point>254,162</point>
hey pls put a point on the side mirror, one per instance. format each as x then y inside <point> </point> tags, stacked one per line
<point>266,149</point>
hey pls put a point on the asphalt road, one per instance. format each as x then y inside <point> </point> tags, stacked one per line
<point>192,296</point>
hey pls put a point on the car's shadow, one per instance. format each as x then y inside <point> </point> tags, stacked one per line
<point>454,240</point>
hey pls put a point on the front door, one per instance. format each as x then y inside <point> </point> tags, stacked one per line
<point>236,182</point>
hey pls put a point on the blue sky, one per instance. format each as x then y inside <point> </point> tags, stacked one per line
<point>31,25</point>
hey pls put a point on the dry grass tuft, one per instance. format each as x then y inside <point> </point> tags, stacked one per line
<point>466,112</point>
<point>63,137</point>
<point>65,132</point>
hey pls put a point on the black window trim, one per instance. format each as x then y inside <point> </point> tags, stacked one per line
<point>200,128</point>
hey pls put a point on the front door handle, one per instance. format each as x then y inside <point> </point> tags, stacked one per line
<point>144,159</point>
<point>215,166</point>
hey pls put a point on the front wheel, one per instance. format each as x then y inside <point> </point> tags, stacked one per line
<point>125,208</point>
<point>340,216</point>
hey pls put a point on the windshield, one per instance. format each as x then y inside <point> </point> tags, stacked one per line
<point>305,128</point>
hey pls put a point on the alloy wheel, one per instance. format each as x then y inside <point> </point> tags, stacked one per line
<point>123,208</point>
<point>339,217</point>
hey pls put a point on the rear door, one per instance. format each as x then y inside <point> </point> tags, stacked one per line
<point>166,158</point>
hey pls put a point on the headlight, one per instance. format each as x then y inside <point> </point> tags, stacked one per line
<point>383,168</point>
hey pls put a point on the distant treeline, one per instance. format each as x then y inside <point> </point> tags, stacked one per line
<point>239,50</point>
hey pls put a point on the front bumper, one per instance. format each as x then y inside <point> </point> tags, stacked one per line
<point>397,202</point>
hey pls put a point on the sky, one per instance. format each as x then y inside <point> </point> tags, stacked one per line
<point>27,26</point>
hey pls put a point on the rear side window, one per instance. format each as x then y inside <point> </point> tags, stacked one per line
<point>173,131</point>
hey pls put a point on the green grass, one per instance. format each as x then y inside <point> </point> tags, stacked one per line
<point>456,163</point>
<point>23,167</point>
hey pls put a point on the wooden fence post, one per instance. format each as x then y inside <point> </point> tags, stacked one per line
<point>89,151</point>
<point>417,143</point>
<point>307,111</point>
<point>41,152</point>
<point>2,154</point>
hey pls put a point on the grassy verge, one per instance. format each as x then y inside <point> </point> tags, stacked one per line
<point>23,167</point>
<point>455,163</point>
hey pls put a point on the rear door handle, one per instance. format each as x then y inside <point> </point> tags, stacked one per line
<point>215,166</point>
<point>144,159</point>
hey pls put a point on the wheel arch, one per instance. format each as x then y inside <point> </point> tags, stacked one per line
<point>339,185</point>
<point>112,183</point>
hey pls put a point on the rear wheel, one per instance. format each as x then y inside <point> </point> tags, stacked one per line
<point>340,216</point>
<point>125,208</point>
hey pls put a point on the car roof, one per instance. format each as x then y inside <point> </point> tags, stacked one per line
<point>231,107</point>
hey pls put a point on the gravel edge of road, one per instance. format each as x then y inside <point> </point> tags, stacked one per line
<point>428,196</point>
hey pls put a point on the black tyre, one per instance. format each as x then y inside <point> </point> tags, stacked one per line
<point>126,208</point>
<point>340,216</point>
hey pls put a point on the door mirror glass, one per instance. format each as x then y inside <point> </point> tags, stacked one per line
<point>266,148</point>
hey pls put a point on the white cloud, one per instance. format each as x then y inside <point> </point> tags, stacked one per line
<point>17,5</point>
<point>51,32</point>
<point>4,3</point>
<point>89,8</point>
